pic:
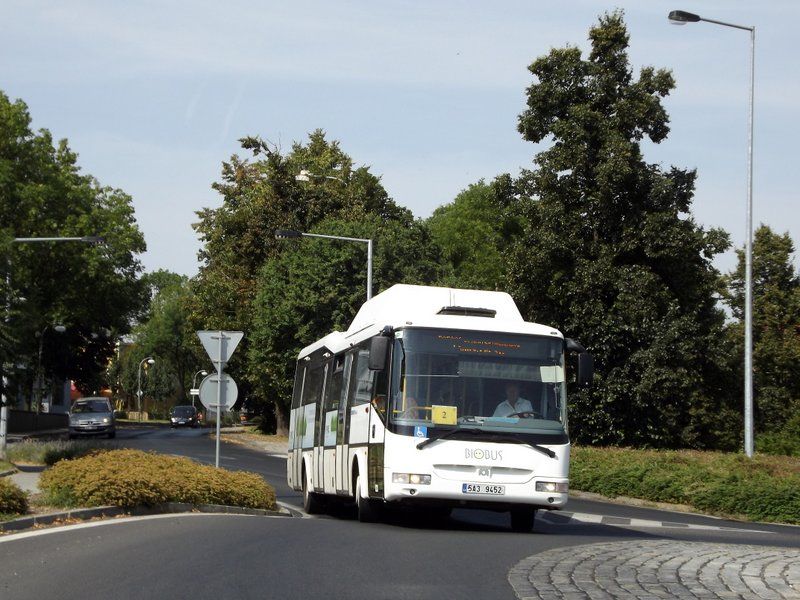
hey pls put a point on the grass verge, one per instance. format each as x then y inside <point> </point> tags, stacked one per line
<point>764,488</point>
<point>31,452</point>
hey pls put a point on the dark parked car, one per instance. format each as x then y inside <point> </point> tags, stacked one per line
<point>92,416</point>
<point>184,416</point>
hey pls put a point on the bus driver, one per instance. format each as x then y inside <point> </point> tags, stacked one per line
<point>513,404</point>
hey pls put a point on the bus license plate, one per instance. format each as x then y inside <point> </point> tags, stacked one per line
<point>483,488</point>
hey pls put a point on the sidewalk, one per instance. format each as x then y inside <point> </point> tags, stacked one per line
<point>28,482</point>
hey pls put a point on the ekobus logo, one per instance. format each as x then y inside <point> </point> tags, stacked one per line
<point>482,454</point>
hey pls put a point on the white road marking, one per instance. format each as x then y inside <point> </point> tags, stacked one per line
<point>112,521</point>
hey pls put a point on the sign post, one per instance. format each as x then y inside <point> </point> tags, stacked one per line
<point>219,345</point>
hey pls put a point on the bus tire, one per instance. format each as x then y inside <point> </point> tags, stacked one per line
<point>312,504</point>
<point>368,511</point>
<point>522,519</point>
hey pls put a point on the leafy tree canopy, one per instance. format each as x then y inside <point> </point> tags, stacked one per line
<point>259,196</point>
<point>776,327</point>
<point>168,336</point>
<point>317,286</point>
<point>94,291</point>
<point>262,195</point>
<point>473,231</point>
<point>610,253</point>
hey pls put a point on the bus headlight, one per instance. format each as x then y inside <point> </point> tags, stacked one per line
<point>552,487</point>
<point>413,478</point>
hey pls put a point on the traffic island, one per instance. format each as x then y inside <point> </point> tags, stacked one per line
<point>113,482</point>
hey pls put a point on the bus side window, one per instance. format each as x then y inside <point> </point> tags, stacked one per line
<point>333,392</point>
<point>313,385</point>
<point>361,382</point>
<point>298,385</point>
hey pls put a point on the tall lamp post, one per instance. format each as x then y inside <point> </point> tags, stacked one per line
<point>680,17</point>
<point>87,239</point>
<point>39,382</point>
<point>202,372</point>
<point>282,234</point>
<point>149,360</point>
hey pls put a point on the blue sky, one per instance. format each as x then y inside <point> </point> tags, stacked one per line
<point>154,95</point>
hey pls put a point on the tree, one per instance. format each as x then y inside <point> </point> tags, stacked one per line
<point>317,286</point>
<point>168,335</point>
<point>776,328</point>
<point>93,290</point>
<point>611,255</point>
<point>258,197</point>
<point>473,231</point>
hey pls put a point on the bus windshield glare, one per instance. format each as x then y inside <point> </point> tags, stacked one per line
<point>492,381</point>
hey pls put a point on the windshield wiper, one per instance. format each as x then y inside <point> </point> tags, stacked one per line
<point>447,434</point>
<point>513,440</point>
<point>487,435</point>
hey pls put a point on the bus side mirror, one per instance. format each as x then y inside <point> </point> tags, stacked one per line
<point>378,352</point>
<point>585,369</point>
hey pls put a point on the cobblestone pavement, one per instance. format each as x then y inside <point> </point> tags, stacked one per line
<point>659,569</point>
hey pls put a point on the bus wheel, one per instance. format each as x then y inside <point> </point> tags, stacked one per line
<point>368,512</point>
<point>522,519</point>
<point>311,501</point>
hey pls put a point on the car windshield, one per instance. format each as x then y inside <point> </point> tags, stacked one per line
<point>183,411</point>
<point>91,406</point>
<point>491,381</point>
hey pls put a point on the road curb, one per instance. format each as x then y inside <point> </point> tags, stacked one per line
<point>85,514</point>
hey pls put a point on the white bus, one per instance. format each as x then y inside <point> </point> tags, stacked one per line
<point>437,398</point>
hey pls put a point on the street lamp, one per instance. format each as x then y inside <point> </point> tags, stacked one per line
<point>39,382</point>
<point>87,239</point>
<point>149,360</point>
<point>282,234</point>
<point>202,372</point>
<point>680,17</point>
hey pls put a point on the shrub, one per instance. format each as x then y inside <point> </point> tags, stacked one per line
<point>13,501</point>
<point>784,442</point>
<point>763,488</point>
<point>131,477</point>
<point>49,453</point>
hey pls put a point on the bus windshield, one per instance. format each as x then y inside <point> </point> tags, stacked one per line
<point>477,379</point>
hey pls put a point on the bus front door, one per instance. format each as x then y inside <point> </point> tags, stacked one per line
<point>342,426</point>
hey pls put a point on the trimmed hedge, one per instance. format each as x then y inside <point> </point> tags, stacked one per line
<point>131,477</point>
<point>764,488</point>
<point>13,501</point>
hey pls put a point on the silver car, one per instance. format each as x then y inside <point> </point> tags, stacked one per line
<point>92,416</point>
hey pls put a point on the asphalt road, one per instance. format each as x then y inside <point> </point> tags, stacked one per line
<point>469,555</point>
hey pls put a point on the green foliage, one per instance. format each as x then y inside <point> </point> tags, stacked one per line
<point>776,331</point>
<point>784,441</point>
<point>473,231</point>
<point>317,286</point>
<point>90,289</point>
<point>168,336</point>
<point>763,488</point>
<point>48,453</point>
<point>130,477</point>
<point>610,254</point>
<point>262,195</point>
<point>13,501</point>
